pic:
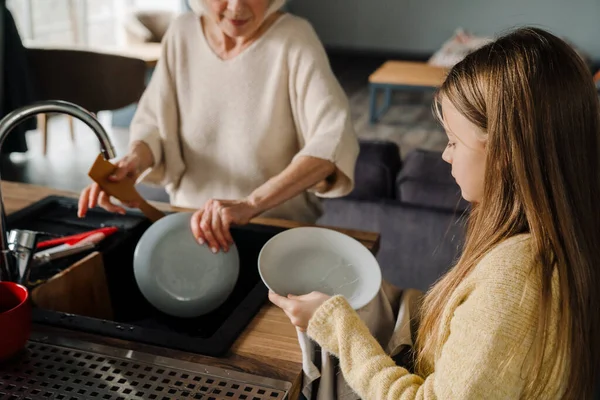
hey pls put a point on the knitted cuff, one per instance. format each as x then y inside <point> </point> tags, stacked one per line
<point>321,326</point>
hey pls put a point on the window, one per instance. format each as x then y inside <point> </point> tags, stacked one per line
<point>78,22</point>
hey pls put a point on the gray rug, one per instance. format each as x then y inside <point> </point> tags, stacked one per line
<point>409,122</point>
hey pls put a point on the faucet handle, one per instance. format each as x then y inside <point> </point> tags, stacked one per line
<point>22,243</point>
<point>22,238</point>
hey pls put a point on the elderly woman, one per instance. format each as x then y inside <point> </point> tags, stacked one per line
<point>243,117</point>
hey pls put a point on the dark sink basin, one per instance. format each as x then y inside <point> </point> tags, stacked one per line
<point>134,318</point>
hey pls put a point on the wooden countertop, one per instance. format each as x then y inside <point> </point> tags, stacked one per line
<point>267,347</point>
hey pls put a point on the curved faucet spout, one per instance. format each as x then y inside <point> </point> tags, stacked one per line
<point>10,121</point>
<point>8,266</point>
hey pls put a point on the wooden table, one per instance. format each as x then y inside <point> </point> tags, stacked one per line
<point>268,346</point>
<point>149,52</point>
<point>401,75</point>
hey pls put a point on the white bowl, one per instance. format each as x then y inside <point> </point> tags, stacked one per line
<point>301,260</point>
<point>177,275</point>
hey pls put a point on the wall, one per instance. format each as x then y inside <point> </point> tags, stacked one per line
<point>421,26</point>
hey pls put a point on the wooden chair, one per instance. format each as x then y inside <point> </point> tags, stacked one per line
<point>42,123</point>
<point>95,81</point>
<point>42,119</point>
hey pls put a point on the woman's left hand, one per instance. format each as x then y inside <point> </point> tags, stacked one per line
<point>299,309</point>
<point>211,223</point>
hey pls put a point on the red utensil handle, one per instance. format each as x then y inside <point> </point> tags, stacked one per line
<point>75,238</point>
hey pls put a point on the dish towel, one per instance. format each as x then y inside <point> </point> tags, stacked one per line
<point>390,317</point>
<point>312,372</point>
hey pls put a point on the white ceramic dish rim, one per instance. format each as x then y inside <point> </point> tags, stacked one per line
<point>377,270</point>
<point>154,298</point>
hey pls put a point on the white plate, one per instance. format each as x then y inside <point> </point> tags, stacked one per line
<point>177,275</point>
<point>301,260</point>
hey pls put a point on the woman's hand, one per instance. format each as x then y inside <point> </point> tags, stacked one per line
<point>299,309</point>
<point>132,165</point>
<point>211,223</point>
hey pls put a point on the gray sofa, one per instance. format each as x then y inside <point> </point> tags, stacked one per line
<point>415,206</point>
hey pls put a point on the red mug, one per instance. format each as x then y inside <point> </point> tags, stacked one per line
<point>15,319</point>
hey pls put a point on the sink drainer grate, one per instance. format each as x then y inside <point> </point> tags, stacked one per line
<point>48,371</point>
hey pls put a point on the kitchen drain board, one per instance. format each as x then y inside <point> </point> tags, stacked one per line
<point>50,371</point>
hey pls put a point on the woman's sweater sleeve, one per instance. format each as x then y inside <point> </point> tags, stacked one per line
<point>156,120</point>
<point>321,110</point>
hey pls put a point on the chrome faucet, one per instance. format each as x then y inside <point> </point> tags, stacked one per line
<point>18,246</point>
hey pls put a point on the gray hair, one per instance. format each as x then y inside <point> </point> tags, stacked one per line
<point>198,6</point>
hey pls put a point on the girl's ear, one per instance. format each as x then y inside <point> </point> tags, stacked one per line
<point>484,140</point>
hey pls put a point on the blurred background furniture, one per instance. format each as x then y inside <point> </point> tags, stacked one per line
<point>96,81</point>
<point>401,75</point>
<point>147,26</point>
<point>42,119</point>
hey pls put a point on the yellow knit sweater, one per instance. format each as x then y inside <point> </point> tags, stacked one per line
<point>491,314</point>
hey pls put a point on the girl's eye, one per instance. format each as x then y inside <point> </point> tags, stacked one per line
<point>450,144</point>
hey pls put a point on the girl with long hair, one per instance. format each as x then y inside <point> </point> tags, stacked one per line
<point>518,316</point>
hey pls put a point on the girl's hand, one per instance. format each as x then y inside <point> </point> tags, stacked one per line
<point>299,309</point>
<point>211,223</point>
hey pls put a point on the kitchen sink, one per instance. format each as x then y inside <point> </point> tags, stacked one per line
<point>133,317</point>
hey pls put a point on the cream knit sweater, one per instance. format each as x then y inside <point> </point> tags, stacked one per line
<point>221,128</point>
<point>491,313</point>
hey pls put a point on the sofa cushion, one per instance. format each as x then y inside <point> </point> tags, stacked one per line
<point>426,180</point>
<point>376,169</point>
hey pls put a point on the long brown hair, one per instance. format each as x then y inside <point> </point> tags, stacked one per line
<point>534,98</point>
